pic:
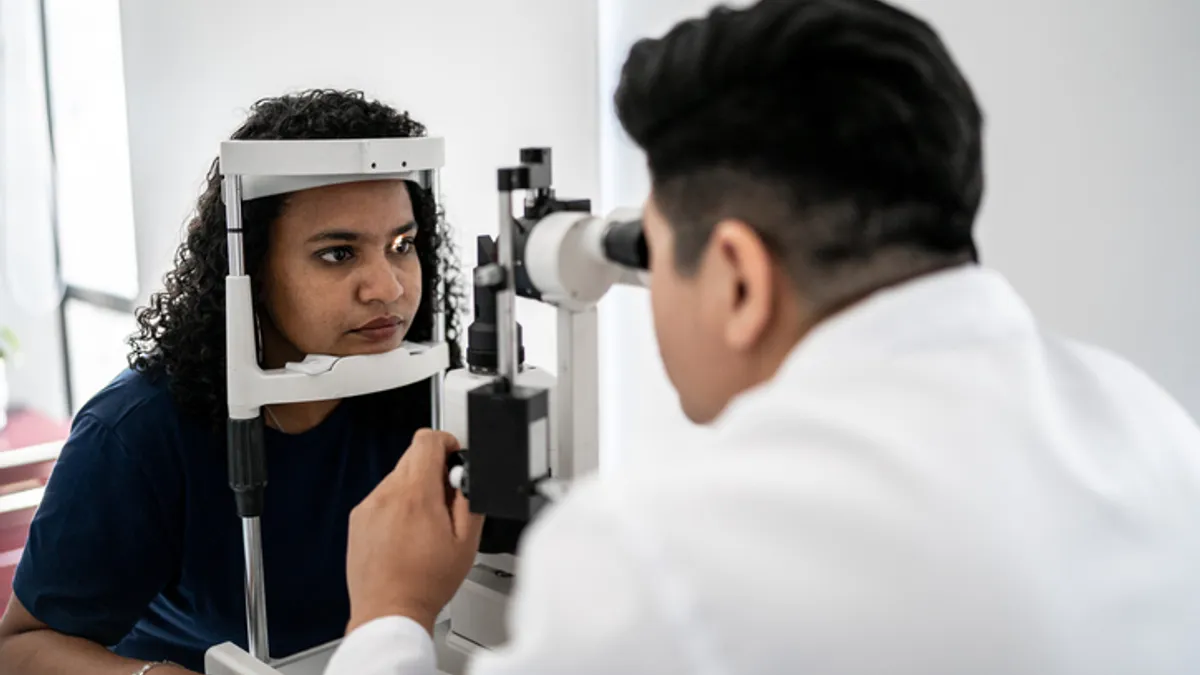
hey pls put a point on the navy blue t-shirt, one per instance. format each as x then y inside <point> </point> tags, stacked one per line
<point>137,544</point>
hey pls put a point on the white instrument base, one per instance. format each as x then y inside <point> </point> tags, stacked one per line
<point>229,659</point>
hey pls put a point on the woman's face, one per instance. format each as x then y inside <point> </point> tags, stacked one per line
<point>342,275</point>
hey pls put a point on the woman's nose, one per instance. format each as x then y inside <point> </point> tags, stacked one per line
<point>380,283</point>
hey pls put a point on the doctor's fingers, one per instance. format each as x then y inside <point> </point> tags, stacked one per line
<point>468,527</point>
<point>422,468</point>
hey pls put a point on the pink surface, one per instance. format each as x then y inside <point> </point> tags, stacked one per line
<point>26,427</point>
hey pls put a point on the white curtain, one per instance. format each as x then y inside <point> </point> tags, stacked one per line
<point>29,287</point>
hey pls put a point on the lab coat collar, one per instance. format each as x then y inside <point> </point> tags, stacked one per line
<point>949,306</point>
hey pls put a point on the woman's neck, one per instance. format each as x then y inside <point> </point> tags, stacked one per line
<point>297,418</point>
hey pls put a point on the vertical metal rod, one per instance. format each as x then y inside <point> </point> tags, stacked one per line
<point>231,187</point>
<point>577,393</point>
<point>256,592</point>
<point>433,178</point>
<point>506,317</point>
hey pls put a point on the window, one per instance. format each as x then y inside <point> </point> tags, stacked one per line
<point>30,291</point>
<point>91,145</point>
<point>93,194</point>
<point>97,351</point>
<point>27,270</point>
<point>68,255</point>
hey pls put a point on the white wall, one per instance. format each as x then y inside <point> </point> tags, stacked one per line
<point>641,408</point>
<point>491,77</point>
<point>1093,160</point>
<point>1093,155</point>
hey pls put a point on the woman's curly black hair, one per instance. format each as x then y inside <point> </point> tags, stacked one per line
<point>181,332</point>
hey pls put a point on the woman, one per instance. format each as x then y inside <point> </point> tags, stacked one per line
<point>135,555</point>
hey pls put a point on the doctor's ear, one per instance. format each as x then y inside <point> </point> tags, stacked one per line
<point>749,279</point>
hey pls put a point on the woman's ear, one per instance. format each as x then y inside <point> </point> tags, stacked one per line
<point>749,273</point>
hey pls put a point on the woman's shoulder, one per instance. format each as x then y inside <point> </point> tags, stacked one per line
<point>131,397</point>
<point>135,409</point>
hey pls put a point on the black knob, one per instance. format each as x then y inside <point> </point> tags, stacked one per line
<point>516,178</point>
<point>490,276</point>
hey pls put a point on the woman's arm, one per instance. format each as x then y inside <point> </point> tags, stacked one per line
<point>102,545</point>
<point>29,647</point>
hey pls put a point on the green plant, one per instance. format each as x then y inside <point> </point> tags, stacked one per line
<point>9,346</point>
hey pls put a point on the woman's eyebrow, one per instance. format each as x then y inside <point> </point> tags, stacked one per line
<point>350,236</point>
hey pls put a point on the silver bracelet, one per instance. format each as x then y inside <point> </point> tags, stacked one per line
<point>151,666</point>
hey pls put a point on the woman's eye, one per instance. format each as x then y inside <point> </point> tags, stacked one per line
<point>336,255</point>
<point>404,246</point>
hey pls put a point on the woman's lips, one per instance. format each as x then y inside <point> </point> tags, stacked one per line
<point>379,330</point>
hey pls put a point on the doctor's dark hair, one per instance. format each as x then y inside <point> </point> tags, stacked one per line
<point>840,130</point>
<point>181,332</point>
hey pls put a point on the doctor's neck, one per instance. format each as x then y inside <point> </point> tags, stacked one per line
<point>824,299</point>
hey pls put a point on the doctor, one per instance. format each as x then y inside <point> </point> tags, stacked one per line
<point>908,473</point>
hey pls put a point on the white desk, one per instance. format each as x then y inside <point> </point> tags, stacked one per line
<point>229,660</point>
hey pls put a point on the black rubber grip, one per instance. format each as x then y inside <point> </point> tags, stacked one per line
<point>625,244</point>
<point>247,466</point>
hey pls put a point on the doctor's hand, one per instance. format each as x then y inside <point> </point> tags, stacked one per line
<point>412,540</point>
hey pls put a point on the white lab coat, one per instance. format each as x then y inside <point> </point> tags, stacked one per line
<point>933,484</point>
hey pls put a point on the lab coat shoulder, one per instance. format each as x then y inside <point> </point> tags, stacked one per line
<point>592,599</point>
<point>791,536</point>
<point>1133,410</point>
<point>694,564</point>
<point>1142,397</point>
